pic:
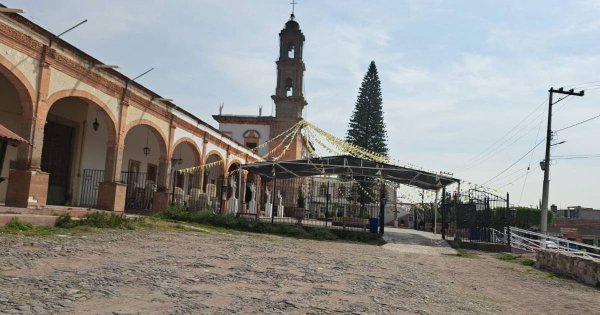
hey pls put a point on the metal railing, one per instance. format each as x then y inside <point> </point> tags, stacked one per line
<point>533,241</point>
<point>90,182</point>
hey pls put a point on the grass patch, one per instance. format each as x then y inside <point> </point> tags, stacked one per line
<point>66,225</point>
<point>18,225</point>
<point>246,225</point>
<point>506,256</point>
<point>527,262</point>
<point>100,220</point>
<point>464,254</point>
<point>516,259</point>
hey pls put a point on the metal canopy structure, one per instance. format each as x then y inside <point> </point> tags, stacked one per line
<point>350,166</point>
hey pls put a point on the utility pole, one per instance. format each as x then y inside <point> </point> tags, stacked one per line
<point>546,163</point>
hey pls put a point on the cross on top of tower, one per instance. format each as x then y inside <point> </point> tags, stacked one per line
<point>293,3</point>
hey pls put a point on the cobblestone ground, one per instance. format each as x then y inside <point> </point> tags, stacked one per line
<point>179,272</point>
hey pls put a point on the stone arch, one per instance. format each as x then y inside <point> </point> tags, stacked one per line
<point>220,156</point>
<point>11,191</point>
<point>192,144</point>
<point>81,158</point>
<point>106,114</point>
<point>160,136</point>
<point>24,89</point>
<point>289,87</point>
<point>26,94</point>
<point>232,163</point>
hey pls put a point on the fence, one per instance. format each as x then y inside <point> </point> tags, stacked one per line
<point>532,241</point>
<point>140,190</point>
<point>90,181</point>
<point>475,217</point>
<point>309,201</point>
<point>201,189</point>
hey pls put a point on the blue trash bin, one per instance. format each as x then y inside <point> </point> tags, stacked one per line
<point>373,225</point>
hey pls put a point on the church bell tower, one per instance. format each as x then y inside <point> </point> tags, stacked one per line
<point>289,98</point>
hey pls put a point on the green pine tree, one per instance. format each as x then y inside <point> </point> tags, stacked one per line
<point>367,129</point>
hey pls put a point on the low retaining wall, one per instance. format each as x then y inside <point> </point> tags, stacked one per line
<point>482,246</point>
<point>582,269</point>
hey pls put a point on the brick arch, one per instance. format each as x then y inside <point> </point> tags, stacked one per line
<point>24,89</point>
<point>160,136</point>
<point>217,153</point>
<point>105,113</point>
<point>192,144</point>
<point>235,161</point>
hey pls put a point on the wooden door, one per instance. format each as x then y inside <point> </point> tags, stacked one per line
<point>56,160</point>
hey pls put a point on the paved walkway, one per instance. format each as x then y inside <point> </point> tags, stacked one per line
<point>417,242</point>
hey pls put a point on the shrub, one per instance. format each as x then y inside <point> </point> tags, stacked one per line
<point>65,221</point>
<point>290,230</point>
<point>177,212</point>
<point>322,234</point>
<point>17,224</point>
<point>242,224</point>
<point>104,220</point>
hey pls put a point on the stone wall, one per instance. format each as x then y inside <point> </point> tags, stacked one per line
<point>586,270</point>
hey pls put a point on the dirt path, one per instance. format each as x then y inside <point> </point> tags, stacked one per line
<point>125,272</point>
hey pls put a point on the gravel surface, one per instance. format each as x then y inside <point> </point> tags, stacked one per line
<point>179,272</point>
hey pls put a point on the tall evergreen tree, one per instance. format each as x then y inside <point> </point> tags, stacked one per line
<point>367,128</point>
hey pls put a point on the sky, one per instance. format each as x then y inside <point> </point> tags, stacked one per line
<point>464,83</point>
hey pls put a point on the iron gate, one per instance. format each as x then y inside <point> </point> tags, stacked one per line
<point>90,182</point>
<point>140,190</point>
<point>479,216</point>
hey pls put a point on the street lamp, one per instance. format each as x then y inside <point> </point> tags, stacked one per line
<point>146,149</point>
<point>96,124</point>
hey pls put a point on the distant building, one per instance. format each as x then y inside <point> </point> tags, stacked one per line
<point>577,223</point>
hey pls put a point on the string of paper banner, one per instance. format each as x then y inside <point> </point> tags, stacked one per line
<point>354,150</point>
<point>288,136</point>
<point>311,133</point>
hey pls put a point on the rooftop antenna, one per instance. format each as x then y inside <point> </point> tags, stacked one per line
<point>260,107</point>
<point>221,108</point>
<point>293,3</point>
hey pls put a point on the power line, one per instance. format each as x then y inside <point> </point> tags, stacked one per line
<point>502,143</point>
<point>504,177</point>
<point>579,123</point>
<point>517,161</point>
<point>512,182</point>
<point>522,172</point>
<point>531,160</point>
<point>491,147</point>
<point>578,158</point>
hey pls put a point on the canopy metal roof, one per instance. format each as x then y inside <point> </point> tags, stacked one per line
<point>349,166</point>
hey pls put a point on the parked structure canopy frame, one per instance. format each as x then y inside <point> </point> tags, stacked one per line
<point>349,166</point>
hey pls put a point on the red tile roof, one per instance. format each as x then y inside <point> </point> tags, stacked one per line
<point>11,137</point>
